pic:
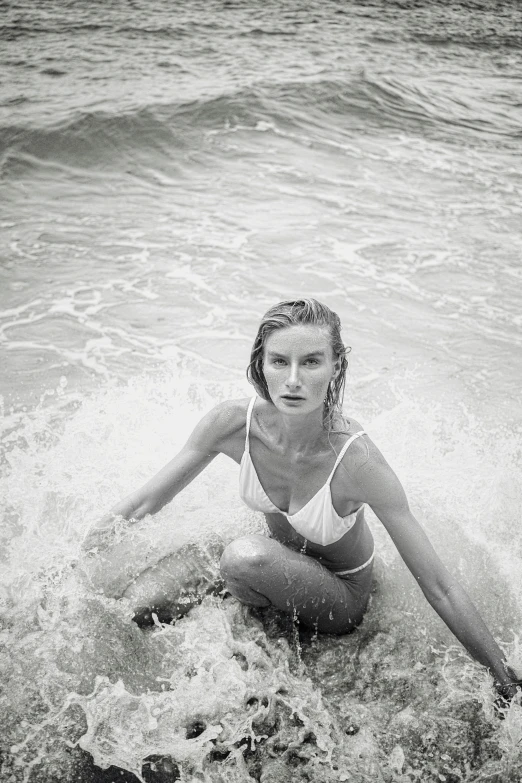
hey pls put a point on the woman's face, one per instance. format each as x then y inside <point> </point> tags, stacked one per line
<point>298,364</point>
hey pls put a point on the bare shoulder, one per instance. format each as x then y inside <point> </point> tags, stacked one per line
<point>220,424</point>
<point>229,417</point>
<point>362,456</point>
<point>370,471</point>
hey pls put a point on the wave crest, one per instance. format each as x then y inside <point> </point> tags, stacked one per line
<point>362,104</point>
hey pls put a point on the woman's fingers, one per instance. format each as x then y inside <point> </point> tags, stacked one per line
<point>506,693</point>
<point>97,538</point>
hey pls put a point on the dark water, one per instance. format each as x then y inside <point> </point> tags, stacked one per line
<point>168,171</point>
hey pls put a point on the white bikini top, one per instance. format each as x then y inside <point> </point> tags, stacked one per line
<point>318,520</point>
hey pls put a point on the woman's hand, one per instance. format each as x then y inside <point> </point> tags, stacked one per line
<point>100,535</point>
<point>507,690</point>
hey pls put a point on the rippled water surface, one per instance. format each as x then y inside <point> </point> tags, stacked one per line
<point>168,171</point>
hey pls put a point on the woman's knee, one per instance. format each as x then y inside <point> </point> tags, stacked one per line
<point>245,557</point>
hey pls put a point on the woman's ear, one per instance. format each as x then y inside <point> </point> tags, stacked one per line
<point>337,367</point>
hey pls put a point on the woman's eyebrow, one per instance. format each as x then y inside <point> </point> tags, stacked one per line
<point>277,354</point>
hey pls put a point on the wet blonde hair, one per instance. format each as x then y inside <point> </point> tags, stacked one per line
<point>299,312</point>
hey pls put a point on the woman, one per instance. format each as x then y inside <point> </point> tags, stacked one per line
<point>311,472</point>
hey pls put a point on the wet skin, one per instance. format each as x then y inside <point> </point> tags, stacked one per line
<point>293,455</point>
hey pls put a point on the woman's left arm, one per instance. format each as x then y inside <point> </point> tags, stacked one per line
<point>384,493</point>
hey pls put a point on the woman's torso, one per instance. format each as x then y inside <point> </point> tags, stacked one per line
<point>292,480</point>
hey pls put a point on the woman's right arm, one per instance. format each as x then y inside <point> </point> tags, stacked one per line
<point>203,445</point>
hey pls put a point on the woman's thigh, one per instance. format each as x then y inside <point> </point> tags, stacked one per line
<point>262,571</point>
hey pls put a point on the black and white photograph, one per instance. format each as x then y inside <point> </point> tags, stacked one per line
<point>260,391</point>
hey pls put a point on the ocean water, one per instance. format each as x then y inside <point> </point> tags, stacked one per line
<point>169,171</point>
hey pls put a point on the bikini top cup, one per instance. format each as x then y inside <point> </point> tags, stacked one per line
<point>318,520</point>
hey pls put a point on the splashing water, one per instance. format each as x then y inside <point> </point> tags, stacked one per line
<point>164,180</point>
<point>230,693</point>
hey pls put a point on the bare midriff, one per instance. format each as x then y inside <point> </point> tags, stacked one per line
<point>350,551</point>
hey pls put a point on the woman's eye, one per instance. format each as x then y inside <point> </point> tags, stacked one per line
<point>312,361</point>
<point>279,362</point>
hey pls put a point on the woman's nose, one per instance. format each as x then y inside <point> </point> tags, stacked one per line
<point>293,378</point>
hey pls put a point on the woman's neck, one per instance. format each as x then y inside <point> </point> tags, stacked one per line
<point>300,434</point>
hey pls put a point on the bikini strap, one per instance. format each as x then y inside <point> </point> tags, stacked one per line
<point>343,452</point>
<point>248,419</point>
